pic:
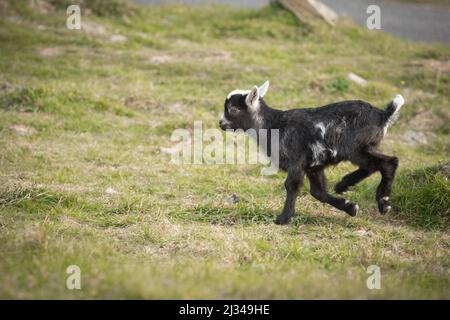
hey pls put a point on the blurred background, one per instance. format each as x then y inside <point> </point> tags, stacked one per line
<point>86,179</point>
<point>421,20</point>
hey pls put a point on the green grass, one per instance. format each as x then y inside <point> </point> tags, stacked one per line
<point>80,114</point>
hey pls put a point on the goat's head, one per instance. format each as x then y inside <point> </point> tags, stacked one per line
<point>242,108</point>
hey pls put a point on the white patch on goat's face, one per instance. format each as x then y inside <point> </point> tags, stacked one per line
<point>322,128</point>
<point>238,91</point>
<point>252,101</point>
<point>253,107</point>
<point>224,120</point>
<point>262,90</point>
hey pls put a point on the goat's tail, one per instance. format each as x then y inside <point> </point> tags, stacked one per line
<point>392,110</point>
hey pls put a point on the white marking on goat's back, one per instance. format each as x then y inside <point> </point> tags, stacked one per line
<point>333,152</point>
<point>318,151</point>
<point>322,128</point>
<point>238,91</point>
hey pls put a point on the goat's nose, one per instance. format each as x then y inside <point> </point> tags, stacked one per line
<point>221,124</point>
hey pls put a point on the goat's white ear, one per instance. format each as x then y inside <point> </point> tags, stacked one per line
<point>263,89</point>
<point>252,99</point>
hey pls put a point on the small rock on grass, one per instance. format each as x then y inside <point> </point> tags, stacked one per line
<point>233,199</point>
<point>161,59</point>
<point>93,28</point>
<point>446,169</point>
<point>50,52</point>
<point>169,151</point>
<point>364,233</point>
<point>110,191</point>
<point>357,79</point>
<point>415,137</point>
<point>118,38</point>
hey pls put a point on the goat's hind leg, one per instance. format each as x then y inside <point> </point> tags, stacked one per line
<point>351,179</point>
<point>387,166</point>
<point>318,186</point>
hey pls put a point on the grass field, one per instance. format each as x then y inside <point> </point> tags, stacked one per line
<point>83,180</point>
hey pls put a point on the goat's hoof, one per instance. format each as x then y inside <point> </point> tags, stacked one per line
<point>383,205</point>
<point>352,209</point>
<point>281,220</point>
<point>339,188</point>
<point>384,208</point>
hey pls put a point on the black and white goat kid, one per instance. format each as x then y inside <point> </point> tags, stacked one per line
<point>312,139</point>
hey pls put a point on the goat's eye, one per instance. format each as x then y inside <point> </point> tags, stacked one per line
<point>233,110</point>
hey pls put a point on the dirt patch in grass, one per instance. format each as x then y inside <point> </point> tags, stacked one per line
<point>203,56</point>
<point>417,95</point>
<point>4,5</point>
<point>436,65</point>
<point>41,6</point>
<point>139,102</point>
<point>23,130</point>
<point>417,137</point>
<point>94,28</point>
<point>118,38</point>
<point>32,236</point>
<point>438,68</point>
<point>421,129</point>
<point>49,52</point>
<point>425,121</point>
<point>67,188</point>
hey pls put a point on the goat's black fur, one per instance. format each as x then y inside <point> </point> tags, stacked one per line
<point>313,138</point>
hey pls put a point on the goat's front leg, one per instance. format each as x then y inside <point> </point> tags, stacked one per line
<point>293,184</point>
